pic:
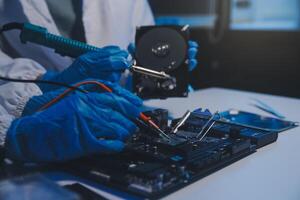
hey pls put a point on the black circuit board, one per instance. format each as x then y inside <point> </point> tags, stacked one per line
<point>152,167</point>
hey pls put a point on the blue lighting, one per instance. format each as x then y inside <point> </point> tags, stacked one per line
<point>265,14</point>
<point>192,20</point>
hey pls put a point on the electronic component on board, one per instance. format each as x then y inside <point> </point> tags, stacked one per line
<point>152,166</point>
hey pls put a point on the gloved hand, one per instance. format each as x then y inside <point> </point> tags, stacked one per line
<point>105,64</point>
<point>192,55</point>
<point>80,124</point>
<point>37,102</point>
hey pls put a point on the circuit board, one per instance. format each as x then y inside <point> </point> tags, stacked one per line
<point>152,166</point>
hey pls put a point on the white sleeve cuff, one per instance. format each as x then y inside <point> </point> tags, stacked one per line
<point>12,106</point>
<point>5,121</point>
<point>21,105</point>
<point>14,96</point>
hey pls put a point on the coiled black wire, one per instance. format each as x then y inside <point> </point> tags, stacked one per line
<point>16,25</point>
<point>40,82</point>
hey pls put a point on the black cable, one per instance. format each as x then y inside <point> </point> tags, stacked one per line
<point>16,25</point>
<point>11,26</point>
<point>41,82</point>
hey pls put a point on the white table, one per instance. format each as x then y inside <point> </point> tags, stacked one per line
<point>271,173</point>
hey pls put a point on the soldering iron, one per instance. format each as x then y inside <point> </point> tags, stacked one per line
<point>65,46</point>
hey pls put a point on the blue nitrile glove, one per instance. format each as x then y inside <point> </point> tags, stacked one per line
<point>105,64</point>
<point>192,55</point>
<point>79,125</point>
<point>131,50</point>
<point>36,102</point>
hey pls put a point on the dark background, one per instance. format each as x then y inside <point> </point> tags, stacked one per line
<point>267,62</point>
<point>260,61</point>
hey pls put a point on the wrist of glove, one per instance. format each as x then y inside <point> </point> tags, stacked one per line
<point>79,125</point>
<point>192,54</point>
<point>37,102</point>
<point>105,64</point>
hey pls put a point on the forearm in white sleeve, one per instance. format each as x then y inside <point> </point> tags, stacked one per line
<point>5,121</point>
<point>143,15</point>
<point>14,96</point>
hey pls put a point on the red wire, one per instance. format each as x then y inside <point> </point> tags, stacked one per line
<point>67,91</point>
<point>101,85</point>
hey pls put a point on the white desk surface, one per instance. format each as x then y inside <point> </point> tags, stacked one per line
<point>273,172</point>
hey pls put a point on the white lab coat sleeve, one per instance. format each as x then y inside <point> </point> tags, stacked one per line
<point>143,15</point>
<point>14,96</point>
<point>5,121</point>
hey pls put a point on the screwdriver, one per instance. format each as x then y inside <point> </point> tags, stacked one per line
<point>145,118</point>
<point>149,72</point>
<point>152,123</point>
